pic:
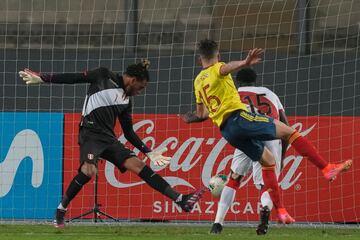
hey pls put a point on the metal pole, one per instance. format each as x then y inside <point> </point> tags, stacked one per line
<point>304,26</point>
<point>131,7</point>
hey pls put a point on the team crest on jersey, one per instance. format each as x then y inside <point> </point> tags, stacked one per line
<point>90,156</point>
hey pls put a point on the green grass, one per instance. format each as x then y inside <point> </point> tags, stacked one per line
<point>169,232</point>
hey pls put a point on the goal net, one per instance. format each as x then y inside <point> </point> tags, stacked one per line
<point>310,62</point>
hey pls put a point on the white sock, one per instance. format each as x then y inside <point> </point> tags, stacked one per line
<point>61,207</point>
<point>226,199</point>
<point>266,200</point>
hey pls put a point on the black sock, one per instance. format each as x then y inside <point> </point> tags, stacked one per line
<point>74,188</point>
<point>158,183</point>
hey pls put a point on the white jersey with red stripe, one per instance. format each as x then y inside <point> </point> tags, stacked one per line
<point>260,100</point>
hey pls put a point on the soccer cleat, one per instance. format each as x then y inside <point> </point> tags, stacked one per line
<point>284,217</point>
<point>332,170</point>
<point>216,228</point>
<point>264,221</point>
<point>188,201</point>
<point>59,221</point>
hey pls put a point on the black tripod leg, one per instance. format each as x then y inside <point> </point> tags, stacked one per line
<point>95,210</point>
<point>107,215</point>
<point>82,215</point>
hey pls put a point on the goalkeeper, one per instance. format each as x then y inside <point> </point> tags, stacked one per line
<point>108,98</point>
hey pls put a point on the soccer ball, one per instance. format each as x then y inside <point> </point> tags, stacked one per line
<point>217,184</point>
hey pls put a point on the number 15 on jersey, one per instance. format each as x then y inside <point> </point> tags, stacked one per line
<point>209,100</point>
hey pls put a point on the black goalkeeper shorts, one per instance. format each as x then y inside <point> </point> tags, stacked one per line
<point>116,153</point>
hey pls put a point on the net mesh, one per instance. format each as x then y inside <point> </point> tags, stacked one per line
<point>310,62</point>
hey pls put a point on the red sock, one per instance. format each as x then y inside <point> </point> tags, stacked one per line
<point>271,185</point>
<point>233,184</point>
<point>306,149</point>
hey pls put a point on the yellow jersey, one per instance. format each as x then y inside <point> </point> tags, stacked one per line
<point>218,93</point>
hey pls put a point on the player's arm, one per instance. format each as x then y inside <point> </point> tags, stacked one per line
<point>200,115</point>
<point>252,58</point>
<point>284,143</point>
<point>127,126</point>
<point>31,77</point>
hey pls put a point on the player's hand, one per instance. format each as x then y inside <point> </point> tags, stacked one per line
<point>157,158</point>
<point>187,117</point>
<point>190,117</point>
<point>30,77</point>
<point>254,56</point>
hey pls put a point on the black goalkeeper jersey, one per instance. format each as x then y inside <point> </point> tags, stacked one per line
<point>105,102</point>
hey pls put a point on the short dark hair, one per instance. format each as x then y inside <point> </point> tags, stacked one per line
<point>207,48</point>
<point>139,70</point>
<point>246,75</point>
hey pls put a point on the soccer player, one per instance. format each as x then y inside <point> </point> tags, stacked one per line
<point>217,98</point>
<point>263,101</point>
<point>108,98</point>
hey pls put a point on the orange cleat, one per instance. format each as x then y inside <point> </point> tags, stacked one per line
<point>332,170</point>
<point>284,217</point>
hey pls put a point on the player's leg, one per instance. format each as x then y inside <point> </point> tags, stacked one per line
<point>240,166</point>
<point>226,199</point>
<point>272,187</point>
<point>89,152</point>
<point>306,149</point>
<point>257,152</point>
<point>264,128</point>
<point>265,199</point>
<point>275,148</point>
<point>122,157</point>
<point>247,131</point>
<point>261,128</point>
<point>87,171</point>
<point>270,183</point>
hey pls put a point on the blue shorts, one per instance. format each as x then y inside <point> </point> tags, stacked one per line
<point>246,131</point>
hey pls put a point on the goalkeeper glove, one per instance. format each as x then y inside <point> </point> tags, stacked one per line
<point>30,77</point>
<point>157,158</point>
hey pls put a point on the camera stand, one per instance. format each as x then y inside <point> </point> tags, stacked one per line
<point>96,207</point>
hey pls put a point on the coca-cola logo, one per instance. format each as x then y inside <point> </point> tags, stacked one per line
<point>188,155</point>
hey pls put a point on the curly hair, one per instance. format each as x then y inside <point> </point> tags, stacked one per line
<point>246,75</point>
<point>139,70</point>
<point>207,48</point>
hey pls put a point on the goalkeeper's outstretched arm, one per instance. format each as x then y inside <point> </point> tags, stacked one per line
<point>31,77</point>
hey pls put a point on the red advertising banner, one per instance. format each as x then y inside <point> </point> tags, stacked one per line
<point>198,152</point>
